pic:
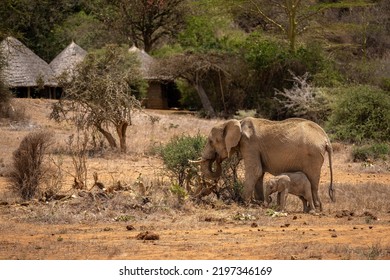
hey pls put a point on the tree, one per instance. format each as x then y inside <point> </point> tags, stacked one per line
<point>193,68</point>
<point>102,93</point>
<point>292,17</point>
<point>34,20</point>
<point>85,29</point>
<point>144,23</point>
<point>217,77</point>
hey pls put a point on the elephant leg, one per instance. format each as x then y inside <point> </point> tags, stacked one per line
<point>315,181</point>
<point>310,203</point>
<point>278,198</point>
<point>304,203</point>
<point>253,172</point>
<point>283,198</point>
<point>259,189</point>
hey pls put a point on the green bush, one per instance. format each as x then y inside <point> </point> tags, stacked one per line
<point>361,113</point>
<point>370,152</point>
<point>176,154</point>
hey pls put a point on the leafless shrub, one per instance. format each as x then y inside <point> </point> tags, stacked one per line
<point>13,113</point>
<point>77,146</point>
<point>52,183</point>
<point>28,164</point>
<point>303,100</point>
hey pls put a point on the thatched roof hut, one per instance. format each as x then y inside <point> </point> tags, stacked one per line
<point>162,92</point>
<point>146,62</point>
<point>67,60</point>
<point>23,67</point>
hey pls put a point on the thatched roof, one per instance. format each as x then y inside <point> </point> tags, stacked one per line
<point>146,62</point>
<point>23,67</point>
<point>68,59</point>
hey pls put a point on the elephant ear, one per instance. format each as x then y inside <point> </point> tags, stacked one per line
<point>283,182</point>
<point>232,134</point>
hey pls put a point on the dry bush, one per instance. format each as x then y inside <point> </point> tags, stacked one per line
<point>303,100</point>
<point>128,203</point>
<point>77,148</point>
<point>14,113</point>
<point>28,164</point>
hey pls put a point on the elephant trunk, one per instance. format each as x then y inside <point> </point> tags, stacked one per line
<point>267,197</point>
<point>206,168</point>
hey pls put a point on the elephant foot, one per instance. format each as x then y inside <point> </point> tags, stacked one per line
<point>318,205</point>
<point>313,212</point>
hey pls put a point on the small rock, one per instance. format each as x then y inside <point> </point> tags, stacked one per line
<point>334,235</point>
<point>130,227</point>
<point>147,236</point>
<point>369,215</point>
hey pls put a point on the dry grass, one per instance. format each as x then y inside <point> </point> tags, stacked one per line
<point>139,166</point>
<point>138,192</point>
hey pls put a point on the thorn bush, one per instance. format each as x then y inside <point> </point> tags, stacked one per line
<point>28,164</point>
<point>176,154</point>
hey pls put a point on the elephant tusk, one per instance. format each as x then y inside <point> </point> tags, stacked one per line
<point>197,161</point>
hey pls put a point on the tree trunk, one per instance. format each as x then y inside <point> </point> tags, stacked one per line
<point>205,100</point>
<point>292,26</point>
<point>121,131</point>
<point>108,136</point>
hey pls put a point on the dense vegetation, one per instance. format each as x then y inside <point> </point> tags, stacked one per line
<point>238,54</point>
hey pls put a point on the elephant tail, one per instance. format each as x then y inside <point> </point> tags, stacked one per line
<point>331,189</point>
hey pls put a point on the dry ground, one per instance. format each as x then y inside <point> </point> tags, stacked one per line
<point>92,225</point>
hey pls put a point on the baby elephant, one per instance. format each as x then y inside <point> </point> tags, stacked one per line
<point>295,183</point>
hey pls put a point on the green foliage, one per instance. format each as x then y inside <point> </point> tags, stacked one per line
<point>199,34</point>
<point>85,29</point>
<point>371,152</point>
<point>34,21</point>
<point>189,98</point>
<point>271,54</point>
<point>209,27</point>
<point>312,57</point>
<point>176,154</point>
<point>180,192</point>
<point>385,84</point>
<point>263,52</point>
<point>124,218</point>
<point>361,113</point>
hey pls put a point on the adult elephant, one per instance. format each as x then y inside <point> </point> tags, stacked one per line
<point>269,146</point>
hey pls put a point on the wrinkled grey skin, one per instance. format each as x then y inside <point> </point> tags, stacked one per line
<point>294,183</point>
<point>275,147</point>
